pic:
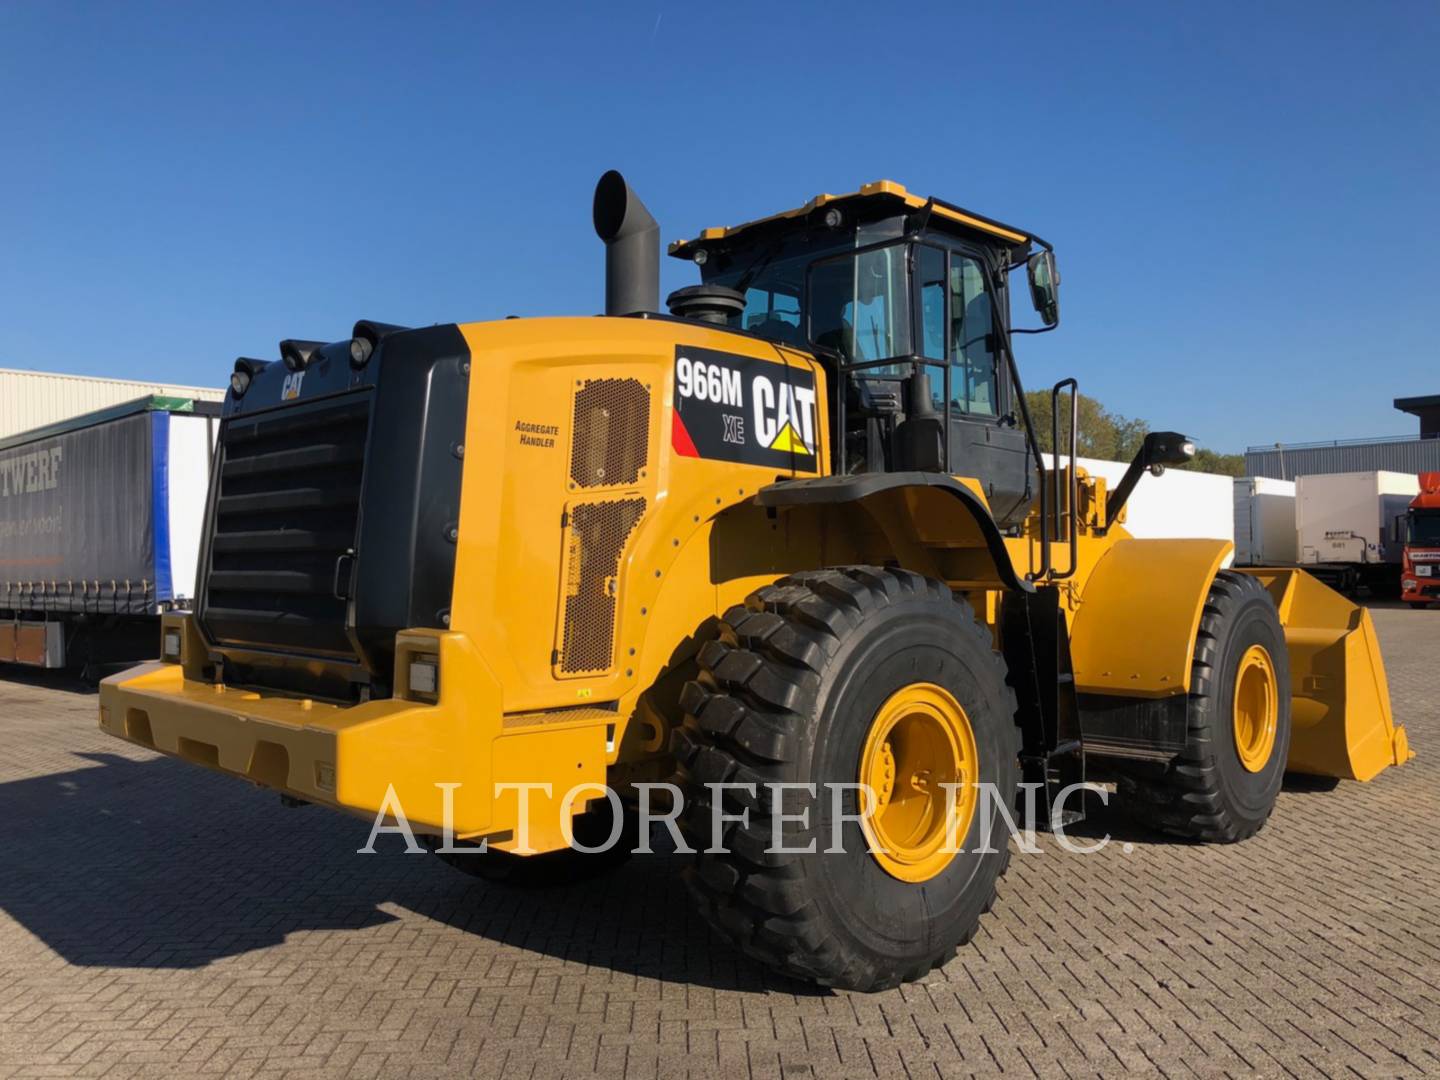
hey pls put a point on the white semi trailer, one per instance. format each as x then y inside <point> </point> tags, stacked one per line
<point>1346,528</point>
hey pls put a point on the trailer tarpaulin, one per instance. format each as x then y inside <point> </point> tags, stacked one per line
<point>79,517</point>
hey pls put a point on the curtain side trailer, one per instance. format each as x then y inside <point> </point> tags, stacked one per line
<point>100,524</point>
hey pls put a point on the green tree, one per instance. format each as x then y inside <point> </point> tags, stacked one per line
<point>1212,462</point>
<point>1103,434</point>
<point>1113,437</point>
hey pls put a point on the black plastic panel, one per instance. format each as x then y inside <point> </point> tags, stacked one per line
<point>332,525</point>
<point>410,500</point>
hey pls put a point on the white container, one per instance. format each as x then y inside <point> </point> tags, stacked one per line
<point>1178,504</point>
<point>1349,517</point>
<point>1264,522</point>
<point>33,399</point>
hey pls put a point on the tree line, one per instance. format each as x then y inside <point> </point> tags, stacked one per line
<point>1112,437</point>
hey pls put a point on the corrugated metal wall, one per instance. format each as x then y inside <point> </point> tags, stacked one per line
<point>1391,455</point>
<point>31,399</point>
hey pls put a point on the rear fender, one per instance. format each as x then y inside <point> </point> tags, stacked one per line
<point>931,523</point>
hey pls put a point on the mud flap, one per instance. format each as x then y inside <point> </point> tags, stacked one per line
<point>1342,724</point>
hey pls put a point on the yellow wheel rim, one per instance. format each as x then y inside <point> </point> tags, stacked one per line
<point>919,742</point>
<point>1257,705</point>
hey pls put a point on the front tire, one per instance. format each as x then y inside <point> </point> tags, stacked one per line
<point>1223,785</point>
<point>828,678</point>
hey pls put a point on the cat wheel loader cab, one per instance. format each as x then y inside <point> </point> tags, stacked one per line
<point>785,563</point>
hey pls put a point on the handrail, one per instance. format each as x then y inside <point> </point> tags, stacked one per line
<point>1074,479</point>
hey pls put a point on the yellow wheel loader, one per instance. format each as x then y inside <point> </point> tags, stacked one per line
<point>784,564</point>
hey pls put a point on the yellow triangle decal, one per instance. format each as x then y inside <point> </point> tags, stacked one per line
<point>789,441</point>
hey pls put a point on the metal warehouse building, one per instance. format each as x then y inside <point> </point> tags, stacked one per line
<point>1400,453</point>
<point>31,399</point>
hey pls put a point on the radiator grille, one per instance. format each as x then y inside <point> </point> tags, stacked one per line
<point>595,541</point>
<point>285,514</point>
<point>612,432</point>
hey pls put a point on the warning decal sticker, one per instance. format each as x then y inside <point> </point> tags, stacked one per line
<point>737,408</point>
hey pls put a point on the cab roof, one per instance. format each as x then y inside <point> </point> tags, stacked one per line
<point>876,199</point>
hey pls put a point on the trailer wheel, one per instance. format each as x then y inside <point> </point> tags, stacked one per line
<point>1223,785</point>
<point>837,678</point>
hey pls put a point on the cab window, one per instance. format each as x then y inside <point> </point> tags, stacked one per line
<point>859,305</point>
<point>773,313</point>
<point>930,298</point>
<point>974,384</point>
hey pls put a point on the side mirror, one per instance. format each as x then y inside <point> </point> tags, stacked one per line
<point>1044,286</point>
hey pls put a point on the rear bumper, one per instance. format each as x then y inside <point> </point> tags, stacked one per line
<point>394,754</point>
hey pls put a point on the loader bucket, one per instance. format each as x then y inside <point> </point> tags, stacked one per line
<point>1341,723</point>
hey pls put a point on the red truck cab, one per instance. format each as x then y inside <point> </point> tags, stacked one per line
<point>1420,575</point>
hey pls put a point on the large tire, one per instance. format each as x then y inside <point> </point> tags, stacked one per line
<point>789,692</point>
<point>1208,791</point>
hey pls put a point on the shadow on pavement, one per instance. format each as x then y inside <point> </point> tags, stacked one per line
<point>157,864</point>
<point>46,679</point>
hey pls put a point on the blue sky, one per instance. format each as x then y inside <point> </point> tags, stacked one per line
<point>1243,196</point>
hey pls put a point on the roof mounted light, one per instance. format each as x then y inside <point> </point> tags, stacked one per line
<point>245,371</point>
<point>297,354</point>
<point>833,217</point>
<point>366,337</point>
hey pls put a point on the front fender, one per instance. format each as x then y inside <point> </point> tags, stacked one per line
<point>1134,632</point>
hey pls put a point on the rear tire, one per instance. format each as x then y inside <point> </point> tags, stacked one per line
<point>1223,785</point>
<point>1418,605</point>
<point>796,689</point>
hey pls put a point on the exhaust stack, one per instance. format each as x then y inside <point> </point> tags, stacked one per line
<point>632,247</point>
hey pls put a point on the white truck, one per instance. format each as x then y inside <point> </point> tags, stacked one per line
<point>1264,511</point>
<point>1346,528</point>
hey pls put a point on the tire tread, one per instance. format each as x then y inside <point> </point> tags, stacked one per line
<point>744,720</point>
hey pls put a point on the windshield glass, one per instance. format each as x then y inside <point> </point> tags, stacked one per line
<point>1425,528</point>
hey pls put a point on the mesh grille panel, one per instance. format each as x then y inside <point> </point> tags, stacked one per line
<point>595,541</point>
<point>612,432</point>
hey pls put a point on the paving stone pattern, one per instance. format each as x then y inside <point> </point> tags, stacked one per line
<point>159,920</point>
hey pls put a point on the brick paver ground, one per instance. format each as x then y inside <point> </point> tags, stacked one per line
<point>156,919</point>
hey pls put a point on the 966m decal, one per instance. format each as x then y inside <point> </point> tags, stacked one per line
<point>737,408</point>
